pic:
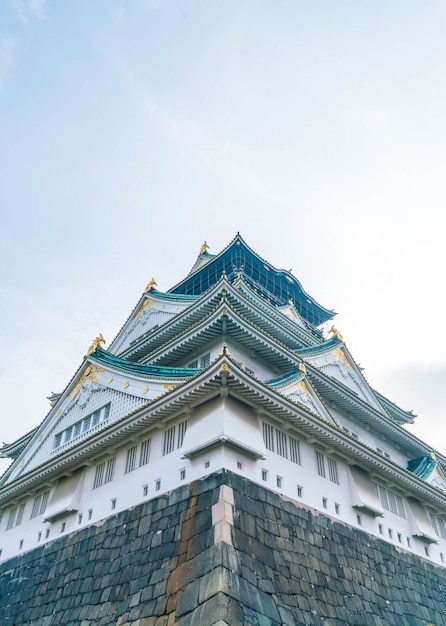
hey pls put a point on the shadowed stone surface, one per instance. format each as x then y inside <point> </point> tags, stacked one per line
<point>158,565</point>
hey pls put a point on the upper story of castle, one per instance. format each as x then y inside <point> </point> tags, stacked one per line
<point>234,367</point>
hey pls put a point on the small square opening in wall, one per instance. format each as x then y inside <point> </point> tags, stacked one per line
<point>441,557</point>
<point>279,481</point>
<point>79,518</point>
<point>408,542</point>
<point>145,490</point>
<point>300,491</point>
<point>182,474</point>
<point>21,544</point>
<point>47,533</point>
<point>90,513</point>
<point>380,528</point>
<point>390,533</point>
<point>337,508</point>
<point>39,536</point>
<point>400,538</point>
<point>113,504</point>
<point>359,520</point>
<point>264,475</point>
<point>158,485</point>
<point>426,549</point>
<point>62,528</point>
<point>239,465</point>
<point>325,503</point>
<point>207,464</point>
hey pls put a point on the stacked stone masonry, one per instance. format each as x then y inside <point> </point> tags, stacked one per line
<point>165,563</point>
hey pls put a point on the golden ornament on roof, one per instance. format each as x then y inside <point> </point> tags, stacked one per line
<point>150,285</point>
<point>336,333</point>
<point>203,248</point>
<point>96,343</point>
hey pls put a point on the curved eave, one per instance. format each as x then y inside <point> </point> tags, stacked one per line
<point>12,450</point>
<point>327,345</point>
<point>399,415</point>
<point>279,286</point>
<point>142,369</point>
<point>222,372</point>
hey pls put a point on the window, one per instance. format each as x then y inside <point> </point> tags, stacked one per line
<point>438,525</point>
<point>205,359</point>
<point>130,463</point>
<point>169,441</point>
<point>268,436</point>
<point>113,504</point>
<point>47,533</point>
<point>207,464</point>
<point>182,427</point>
<point>300,491</point>
<point>15,517</point>
<point>391,501</point>
<point>169,437</point>
<point>264,475</point>
<point>145,452</point>
<point>145,490</point>
<point>400,538</point>
<point>62,528</point>
<point>279,480</point>
<point>390,533</point>
<point>182,474</point>
<point>79,518</point>
<point>333,471</point>
<point>359,520</point>
<point>82,426</point>
<point>104,473</point>
<point>325,503</point>
<point>294,450</point>
<point>337,508</point>
<point>21,544</point>
<point>39,504</point>
<point>281,443</point>
<point>380,528</point>
<point>39,535</point>
<point>157,485</point>
<point>322,463</point>
<point>239,465</point>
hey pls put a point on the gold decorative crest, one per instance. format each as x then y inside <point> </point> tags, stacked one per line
<point>147,304</point>
<point>89,373</point>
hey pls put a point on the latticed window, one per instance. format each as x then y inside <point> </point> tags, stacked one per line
<point>268,436</point>
<point>39,504</point>
<point>169,440</point>
<point>294,450</point>
<point>391,501</point>
<point>438,525</point>
<point>15,517</point>
<point>144,454</point>
<point>320,460</point>
<point>182,427</point>
<point>333,470</point>
<point>104,473</point>
<point>281,443</point>
<point>130,463</point>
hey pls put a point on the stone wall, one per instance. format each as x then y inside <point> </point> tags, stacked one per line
<point>220,551</point>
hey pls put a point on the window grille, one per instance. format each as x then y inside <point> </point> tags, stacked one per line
<point>99,475</point>
<point>333,471</point>
<point>294,450</point>
<point>130,463</point>
<point>391,501</point>
<point>205,359</point>
<point>82,426</point>
<point>169,441</point>
<point>268,436</point>
<point>438,525</point>
<point>109,470</point>
<point>39,504</point>
<point>15,517</point>
<point>320,463</point>
<point>281,443</point>
<point>182,427</point>
<point>145,452</point>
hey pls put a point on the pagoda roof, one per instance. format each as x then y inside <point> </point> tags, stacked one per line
<point>143,369</point>
<point>278,286</point>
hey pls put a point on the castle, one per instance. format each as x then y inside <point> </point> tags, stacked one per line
<point>235,371</point>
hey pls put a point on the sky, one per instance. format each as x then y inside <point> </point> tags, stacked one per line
<point>133,131</point>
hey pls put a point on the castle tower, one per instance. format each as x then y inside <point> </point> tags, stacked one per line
<point>223,461</point>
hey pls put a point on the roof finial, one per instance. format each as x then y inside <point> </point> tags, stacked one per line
<point>150,285</point>
<point>96,343</point>
<point>204,248</point>
<point>336,333</point>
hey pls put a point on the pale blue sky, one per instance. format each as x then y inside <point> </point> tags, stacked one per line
<point>133,130</point>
